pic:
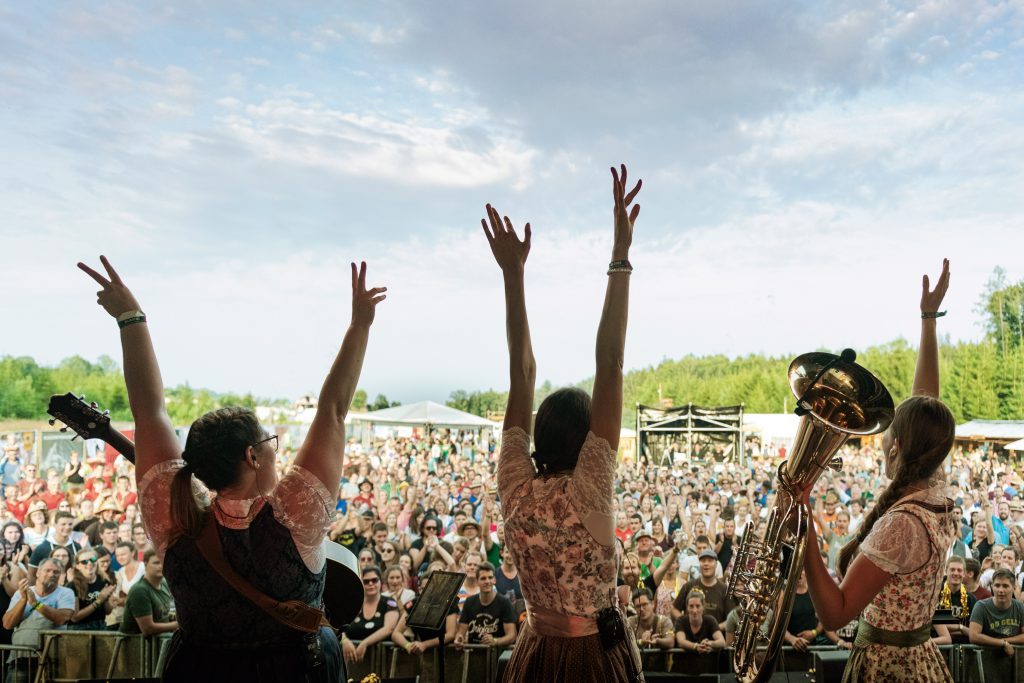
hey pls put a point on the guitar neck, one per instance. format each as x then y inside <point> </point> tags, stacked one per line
<point>121,442</point>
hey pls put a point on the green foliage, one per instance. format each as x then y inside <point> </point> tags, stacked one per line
<point>381,402</point>
<point>359,400</point>
<point>478,402</point>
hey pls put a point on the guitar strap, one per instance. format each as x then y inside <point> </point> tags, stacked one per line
<point>292,613</point>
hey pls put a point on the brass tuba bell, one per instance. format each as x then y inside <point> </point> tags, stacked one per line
<point>836,399</point>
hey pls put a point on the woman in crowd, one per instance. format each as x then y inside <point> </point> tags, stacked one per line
<point>93,593</point>
<point>661,539</point>
<point>558,508</point>
<point>12,538</point>
<point>375,621</point>
<point>268,530</point>
<point>901,545</point>
<point>36,529</point>
<point>394,579</point>
<point>697,633</point>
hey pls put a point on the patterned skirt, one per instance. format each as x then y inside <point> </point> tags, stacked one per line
<point>569,660</point>
<point>876,663</point>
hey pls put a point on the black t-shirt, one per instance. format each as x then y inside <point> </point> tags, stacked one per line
<point>361,627</point>
<point>706,631</point>
<point>717,602</point>
<point>803,617</point>
<point>96,620</point>
<point>44,549</point>
<point>504,585</point>
<point>486,619</point>
<point>351,539</point>
<point>725,554</point>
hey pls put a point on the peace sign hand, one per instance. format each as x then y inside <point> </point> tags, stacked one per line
<point>364,301</point>
<point>114,297</point>
<point>509,251</point>
<point>931,299</point>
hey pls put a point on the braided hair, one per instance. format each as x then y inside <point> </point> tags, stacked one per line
<point>560,428</point>
<point>923,428</point>
<point>214,449</point>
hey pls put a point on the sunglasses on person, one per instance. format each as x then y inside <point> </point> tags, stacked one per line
<point>370,581</point>
<point>89,560</point>
<point>430,528</point>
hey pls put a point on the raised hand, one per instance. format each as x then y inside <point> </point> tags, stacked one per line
<point>624,216</point>
<point>931,299</point>
<point>509,251</point>
<point>364,301</point>
<point>114,297</point>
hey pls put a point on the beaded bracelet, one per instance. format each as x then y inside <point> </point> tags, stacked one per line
<point>620,266</point>
<point>932,316</point>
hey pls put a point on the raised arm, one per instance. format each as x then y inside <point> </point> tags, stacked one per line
<point>606,406</point>
<point>926,375</point>
<point>323,451</point>
<point>155,441</point>
<point>511,253</point>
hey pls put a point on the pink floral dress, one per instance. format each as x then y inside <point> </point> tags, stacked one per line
<point>563,566</point>
<point>910,542</point>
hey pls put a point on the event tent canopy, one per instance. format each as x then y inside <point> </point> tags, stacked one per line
<point>1015,446</point>
<point>424,413</point>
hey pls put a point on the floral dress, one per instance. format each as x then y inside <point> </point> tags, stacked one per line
<point>564,568</point>
<point>910,541</point>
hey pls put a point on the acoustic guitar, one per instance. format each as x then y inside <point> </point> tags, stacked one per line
<point>343,588</point>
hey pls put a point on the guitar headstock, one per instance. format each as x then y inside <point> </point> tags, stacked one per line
<point>84,419</point>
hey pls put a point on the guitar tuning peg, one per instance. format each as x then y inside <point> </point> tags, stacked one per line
<point>92,404</point>
<point>106,412</point>
<point>52,421</point>
<point>82,397</point>
<point>63,429</point>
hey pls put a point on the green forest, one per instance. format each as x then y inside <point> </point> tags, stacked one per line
<point>983,379</point>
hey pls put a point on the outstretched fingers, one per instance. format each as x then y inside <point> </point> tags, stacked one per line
<point>114,277</point>
<point>102,281</point>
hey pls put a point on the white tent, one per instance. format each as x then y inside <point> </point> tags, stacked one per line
<point>424,413</point>
<point>1015,446</point>
<point>778,428</point>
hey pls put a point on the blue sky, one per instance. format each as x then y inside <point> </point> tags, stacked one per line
<point>803,164</point>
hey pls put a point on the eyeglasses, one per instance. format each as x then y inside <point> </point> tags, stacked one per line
<point>269,438</point>
<point>430,528</point>
<point>88,560</point>
<point>370,582</point>
<point>387,550</point>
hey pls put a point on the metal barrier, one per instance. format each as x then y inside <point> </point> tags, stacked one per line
<point>73,655</point>
<point>20,664</point>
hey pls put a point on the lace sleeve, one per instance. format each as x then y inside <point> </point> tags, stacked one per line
<point>898,543</point>
<point>592,480</point>
<point>304,506</point>
<point>514,465</point>
<point>155,501</point>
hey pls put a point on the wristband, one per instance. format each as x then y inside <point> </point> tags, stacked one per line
<point>620,266</point>
<point>131,321</point>
<point>129,314</point>
<point>35,607</point>
<point>932,316</point>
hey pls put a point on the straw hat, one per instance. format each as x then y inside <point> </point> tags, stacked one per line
<point>110,506</point>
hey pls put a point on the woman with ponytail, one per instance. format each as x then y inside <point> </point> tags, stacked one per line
<point>893,568</point>
<point>558,514</point>
<point>225,485</point>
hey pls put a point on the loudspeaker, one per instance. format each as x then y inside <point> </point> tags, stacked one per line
<point>829,665</point>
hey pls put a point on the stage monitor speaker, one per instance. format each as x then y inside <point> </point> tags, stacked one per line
<point>829,665</point>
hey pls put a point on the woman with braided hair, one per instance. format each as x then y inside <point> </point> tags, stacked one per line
<point>269,530</point>
<point>893,568</point>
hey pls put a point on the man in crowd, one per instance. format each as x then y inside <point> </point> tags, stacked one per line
<point>507,576</point>
<point>956,597</point>
<point>645,551</point>
<point>972,574</point>
<point>148,608</point>
<point>996,623</point>
<point>60,538</point>
<point>717,604</point>
<point>487,618</point>
<point>108,539</point>
<point>41,606</point>
<point>650,630</point>
<point>689,565</point>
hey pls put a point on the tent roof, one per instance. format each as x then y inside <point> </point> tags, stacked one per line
<point>423,413</point>
<point>1010,430</point>
<point>1015,446</point>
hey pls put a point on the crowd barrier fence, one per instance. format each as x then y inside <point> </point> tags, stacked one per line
<point>66,656</point>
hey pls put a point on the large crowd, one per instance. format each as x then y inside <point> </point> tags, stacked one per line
<point>409,506</point>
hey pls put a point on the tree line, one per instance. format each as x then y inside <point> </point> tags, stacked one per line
<point>983,379</point>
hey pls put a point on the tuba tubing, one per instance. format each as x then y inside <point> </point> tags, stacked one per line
<point>838,399</point>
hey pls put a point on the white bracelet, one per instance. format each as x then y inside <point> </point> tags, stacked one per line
<point>129,314</point>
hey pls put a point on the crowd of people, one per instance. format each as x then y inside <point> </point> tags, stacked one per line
<point>74,543</point>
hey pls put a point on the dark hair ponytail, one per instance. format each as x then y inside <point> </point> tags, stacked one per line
<point>561,427</point>
<point>924,428</point>
<point>214,450</point>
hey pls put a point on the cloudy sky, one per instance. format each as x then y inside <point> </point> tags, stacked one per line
<point>803,163</point>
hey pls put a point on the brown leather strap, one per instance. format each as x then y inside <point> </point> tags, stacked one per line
<point>292,613</point>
